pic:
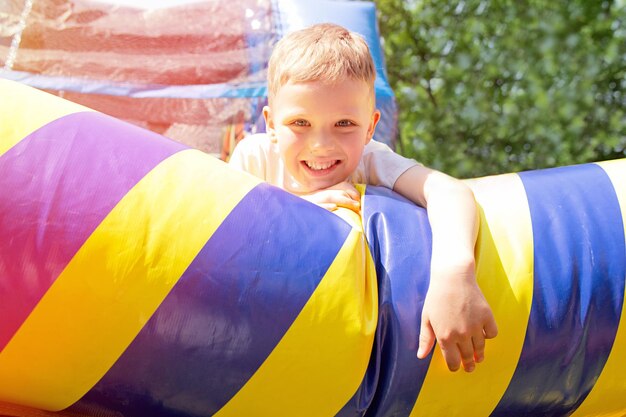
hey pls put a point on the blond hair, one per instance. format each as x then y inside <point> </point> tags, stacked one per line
<point>323,52</point>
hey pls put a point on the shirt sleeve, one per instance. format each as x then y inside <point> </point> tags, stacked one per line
<point>249,156</point>
<point>382,166</point>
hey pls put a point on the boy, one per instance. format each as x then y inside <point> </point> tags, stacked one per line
<point>320,121</point>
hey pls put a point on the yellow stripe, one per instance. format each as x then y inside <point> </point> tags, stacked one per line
<point>607,396</point>
<point>116,281</point>
<point>25,109</point>
<point>321,360</point>
<point>505,274</point>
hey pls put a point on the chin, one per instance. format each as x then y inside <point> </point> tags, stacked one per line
<point>321,185</point>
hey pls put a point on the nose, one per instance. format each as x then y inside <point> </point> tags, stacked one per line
<point>321,142</point>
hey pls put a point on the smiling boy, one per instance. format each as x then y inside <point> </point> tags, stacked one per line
<point>320,119</point>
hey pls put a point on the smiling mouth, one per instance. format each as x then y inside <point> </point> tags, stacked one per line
<point>320,166</point>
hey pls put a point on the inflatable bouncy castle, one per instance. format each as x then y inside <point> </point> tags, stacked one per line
<point>140,277</point>
<point>191,70</point>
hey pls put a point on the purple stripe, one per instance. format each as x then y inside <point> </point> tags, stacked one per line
<point>229,310</point>
<point>399,238</point>
<point>57,185</point>
<point>579,270</point>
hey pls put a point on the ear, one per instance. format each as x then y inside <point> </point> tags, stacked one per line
<point>372,126</point>
<point>269,123</point>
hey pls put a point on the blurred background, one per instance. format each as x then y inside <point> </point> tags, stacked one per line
<point>470,87</point>
<point>495,86</point>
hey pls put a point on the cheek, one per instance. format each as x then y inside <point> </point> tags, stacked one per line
<point>288,144</point>
<point>286,135</point>
<point>354,146</point>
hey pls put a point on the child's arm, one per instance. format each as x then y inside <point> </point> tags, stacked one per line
<point>455,310</point>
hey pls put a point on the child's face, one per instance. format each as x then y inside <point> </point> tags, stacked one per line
<point>321,129</point>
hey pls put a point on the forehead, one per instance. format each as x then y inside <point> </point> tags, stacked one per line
<point>348,95</point>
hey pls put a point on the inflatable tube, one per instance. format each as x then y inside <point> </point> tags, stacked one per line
<point>139,277</point>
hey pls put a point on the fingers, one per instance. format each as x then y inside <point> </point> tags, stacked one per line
<point>452,355</point>
<point>342,198</point>
<point>491,329</point>
<point>349,189</point>
<point>426,340</point>
<point>489,332</point>
<point>331,199</point>
<point>353,193</point>
<point>467,355</point>
<point>328,206</point>
<point>346,201</point>
<point>457,354</point>
<point>465,352</point>
<point>479,348</point>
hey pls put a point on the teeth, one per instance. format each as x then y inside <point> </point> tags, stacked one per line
<point>319,165</point>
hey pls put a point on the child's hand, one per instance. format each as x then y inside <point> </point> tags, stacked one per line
<point>458,316</point>
<point>340,195</point>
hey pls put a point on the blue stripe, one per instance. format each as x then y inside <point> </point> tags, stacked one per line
<point>138,90</point>
<point>578,290</point>
<point>228,311</point>
<point>399,239</point>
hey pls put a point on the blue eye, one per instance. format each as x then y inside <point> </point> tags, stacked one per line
<point>300,122</point>
<point>345,123</point>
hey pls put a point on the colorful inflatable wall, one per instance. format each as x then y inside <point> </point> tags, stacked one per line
<point>139,277</point>
<point>191,70</point>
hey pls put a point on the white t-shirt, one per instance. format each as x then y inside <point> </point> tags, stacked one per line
<point>259,156</point>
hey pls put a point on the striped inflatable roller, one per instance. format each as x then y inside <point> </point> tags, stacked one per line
<point>139,277</point>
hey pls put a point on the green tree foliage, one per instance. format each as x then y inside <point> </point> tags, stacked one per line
<point>486,87</point>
